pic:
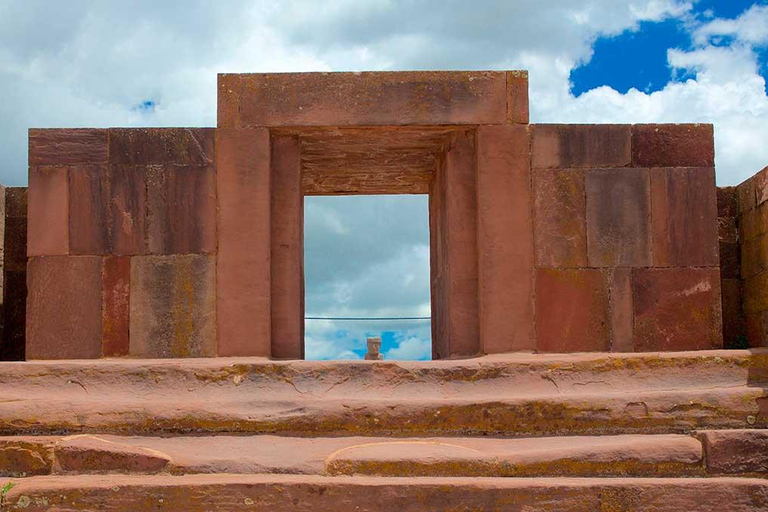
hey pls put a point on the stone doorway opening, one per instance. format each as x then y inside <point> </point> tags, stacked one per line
<point>367,274</point>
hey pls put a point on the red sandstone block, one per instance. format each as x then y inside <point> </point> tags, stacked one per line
<point>127,209</point>
<point>760,186</point>
<point>244,227</point>
<point>621,311</point>
<point>331,99</point>
<point>67,146</point>
<point>756,325</point>
<point>746,197</point>
<point>161,146</point>
<point>733,315</point>
<point>64,307</point>
<point>12,344</point>
<point>727,205</point>
<point>173,306</point>
<point>517,97</point>
<point>756,293</point>
<point>116,280</point>
<point>568,146</point>
<point>15,240</point>
<point>754,257</point>
<point>181,210</point>
<point>48,222</point>
<point>736,451</point>
<point>673,145</point>
<point>730,263</point>
<point>505,239</point>
<point>90,454</point>
<point>88,203</point>
<point>618,217</point>
<point>559,222</point>
<point>572,311</point>
<point>684,212</point>
<point>753,223</point>
<point>677,309</point>
<point>15,202</point>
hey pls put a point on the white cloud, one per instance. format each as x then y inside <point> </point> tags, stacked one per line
<point>410,348</point>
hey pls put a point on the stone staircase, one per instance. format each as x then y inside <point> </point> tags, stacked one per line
<point>592,432</point>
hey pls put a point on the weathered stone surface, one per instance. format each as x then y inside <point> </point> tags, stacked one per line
<point>13,343</point>
<point>756,293</point>
<point>756,325</point>
<point>673,145</point>
<point>64,307</point>
<point>754,256</point>
<point>67,146</point>
<point>128,209</point>
<point>570,146</point>
<point>621,310</point>
<point>338,99</point>
<point>560,226</point>
<point>517,97</point>
<point>181,210</point>
<point>727,202</point>
<point>733,315</point>
<point>116,281</point>
<point>162,146</point>
<point>15,232</point>
<point>173,306</point>
<point>244,231</point>
<point>684,211</point>
<point>25,457</point>
<point>90,454</point>
<point>88,203</point>
<point>677,309</point>
<point>753,223</point>
<point>572,311</point>
<point>48,221</point>
<point>618,217</point>
<point>505,239</point>
<point>746,196</point>
<point>287,249</point>
<point>730,260</point>
<point>736,451</point>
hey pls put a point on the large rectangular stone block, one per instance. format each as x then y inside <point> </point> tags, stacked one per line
<point>88,204</point>
<point>753,223</point>
<point>684,211</point>
<point>116,285</point>
<point>756,325</point>
<point>618,217</point>
<point>572,311</point>
<point>64,307</point>
<point>754,257</point>
<point>70,146</point>
<point>335,99</point>
<point>13,344</point>
<point>48,203</point>
<point>505,239</point>
<point>128,209</point>
<point>560,227</point>
<point>621,310</point>
<point>162,146</point>
<point>677,309</point>
<point>673,145</point>
<point>15,232</point>
<point>733,315</point>
<point>567,146</point>
<point>517,97</point>
<point>173,306</point>
<point>756,293</point>
<point>244,235</point>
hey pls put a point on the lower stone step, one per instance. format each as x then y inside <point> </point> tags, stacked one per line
<point>313,493</point>
<point>727,452</point>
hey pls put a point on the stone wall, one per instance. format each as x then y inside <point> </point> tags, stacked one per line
<point>14,273</point>
<point>734,329</point>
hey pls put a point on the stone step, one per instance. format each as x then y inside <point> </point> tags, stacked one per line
<point>511,395</point>
<point>737,452</point>
<point>312,493</point>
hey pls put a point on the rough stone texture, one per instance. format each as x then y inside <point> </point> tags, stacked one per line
<point>338,99</point>
<point>244,227</point>
<point>21,457</point>
<point>517,97</point>
<point>505,239</point>
<point>162,146</point>
<point>116,281</point>
<point>64,307</point>
<point>128,209</point>
<point>570,146</point>
<point>736,451</point>
<point>88,225</point>
<point>560,227</point>
<point>173,306</point>
<point>753,223</point>
<point>754,257</point>
<point>756,293</point>
<point>48,203</point>
<point>756,326</point>
<point>67,146</point>
<point>684,211</point>
<point>90,454</point>
<point>734,328</point>
<point>673,145</point>
<point>14,290</point>
<point>621,310</point>
<point>677,309</point>
<point>572,311</point>
<point>287,253</point>
<point>618,218</point>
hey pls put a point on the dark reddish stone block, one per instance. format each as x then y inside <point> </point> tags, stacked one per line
<point>127,209</point>
<point>677,309</point>
<point>173,306</point>
<point>71,146</point>
<point>684,212</point>
<point>754,257</point>
<point>760,186</point>
<point>567,146</point>
<point>517,97</point>
<point>64,307</point>
<point>181,210</point>
<point>88,200</point>
<point>90,454</point>
<point>753,223</point>
<point>335,99</point>
<point>559,222</point>
<point>505,239</point>
<point>116,280</point>
<point>618,217</point>
<point>755,291</point>
<point>162,146</point>
<point>733,315</point>
<point>726,202</point>
<point>673,145</point>
<point>730,267</point>
<point>572,311</point>
<point>621,317</point>
<point>739,452</point>
<point>756,324</point>
<point>746,197</point>
<point>244,230</point>
<point>13,339</point>
<point>16,202</point>
<point>48,203</point>
<point>15,254</point>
